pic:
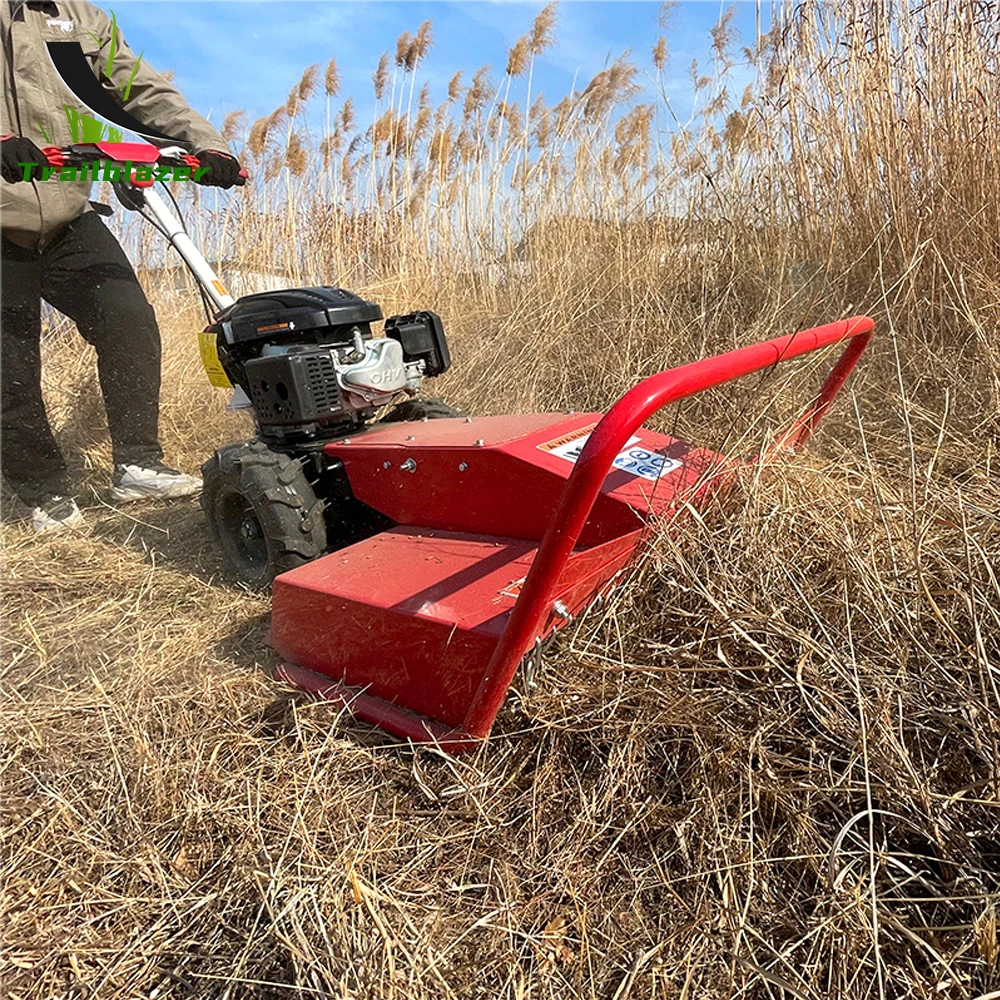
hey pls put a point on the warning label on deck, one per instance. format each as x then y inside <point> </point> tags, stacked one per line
<point>642,462</point>
<point>569,445</point>
<point>633,458</point>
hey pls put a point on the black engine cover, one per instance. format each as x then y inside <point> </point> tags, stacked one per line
<point>293,389</point>
<point>321,315</point>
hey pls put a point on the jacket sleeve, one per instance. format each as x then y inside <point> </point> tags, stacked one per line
<point>151,98</point>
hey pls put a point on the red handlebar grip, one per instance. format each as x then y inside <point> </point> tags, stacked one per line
<point>55,155</point>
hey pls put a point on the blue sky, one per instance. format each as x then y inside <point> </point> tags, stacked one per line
<point>238,54</point>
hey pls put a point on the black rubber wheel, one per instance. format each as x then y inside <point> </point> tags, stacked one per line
<point>262,511</point>
<point>421,408</point>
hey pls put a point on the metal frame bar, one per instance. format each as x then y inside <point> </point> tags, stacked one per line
<point>532,609</point>
<point>174,231</point>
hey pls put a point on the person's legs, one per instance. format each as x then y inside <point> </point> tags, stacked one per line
<point>31,461</point>
<point>87,276</point>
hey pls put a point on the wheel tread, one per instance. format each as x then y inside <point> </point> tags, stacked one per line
<point>293,533</point>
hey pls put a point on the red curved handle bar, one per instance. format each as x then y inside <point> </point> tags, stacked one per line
<point>532,609</point>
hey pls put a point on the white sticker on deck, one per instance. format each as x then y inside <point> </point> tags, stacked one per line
<point>634,459</point>
<point>645,463</point>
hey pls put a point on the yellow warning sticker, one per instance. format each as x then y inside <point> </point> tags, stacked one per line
<point>210,361</point>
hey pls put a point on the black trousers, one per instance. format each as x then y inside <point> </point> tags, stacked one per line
<point>85,274</point>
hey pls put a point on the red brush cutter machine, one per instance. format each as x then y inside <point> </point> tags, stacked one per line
<point>419,557</point>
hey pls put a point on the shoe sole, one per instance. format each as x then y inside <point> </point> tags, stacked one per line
<point>127,494</point>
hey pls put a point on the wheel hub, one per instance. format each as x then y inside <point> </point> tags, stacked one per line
<point>250,529</point>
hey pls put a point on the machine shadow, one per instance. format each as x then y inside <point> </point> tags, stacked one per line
<point>171,533</point>
<point>174,534</point>
<point>246,647</point>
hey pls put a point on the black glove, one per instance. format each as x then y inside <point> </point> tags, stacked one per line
<point>223,169</point>
<point>15,150</point>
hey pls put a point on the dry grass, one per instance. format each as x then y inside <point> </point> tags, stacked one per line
<point>768,769</point>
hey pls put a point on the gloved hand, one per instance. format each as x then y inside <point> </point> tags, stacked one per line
<point>15,150</point>
<point>223,169</point>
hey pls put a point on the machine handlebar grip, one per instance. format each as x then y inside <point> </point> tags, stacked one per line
<point>55,155</point>
<point>193,162</point>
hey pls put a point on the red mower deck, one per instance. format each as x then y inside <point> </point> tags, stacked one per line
<point>507,528</point>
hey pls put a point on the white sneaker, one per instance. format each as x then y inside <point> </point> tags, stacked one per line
<point>56,513</point>
<point>153,481</point>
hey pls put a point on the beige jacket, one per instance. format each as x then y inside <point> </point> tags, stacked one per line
<point>31,212</point>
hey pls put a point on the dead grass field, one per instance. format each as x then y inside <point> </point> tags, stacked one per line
<point>768,768</point>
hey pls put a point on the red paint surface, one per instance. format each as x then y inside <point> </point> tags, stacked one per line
<point>413,615</point>
<point>120,152</point>
<point>509,486</point>
<point>620,422</point>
